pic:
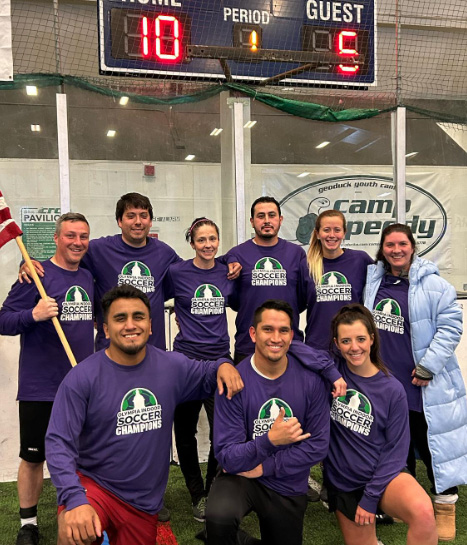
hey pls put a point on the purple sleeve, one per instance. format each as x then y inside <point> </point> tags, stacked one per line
<point>200,378</point>
<point>305,454</point>
<point>393,457</point>
<point>61,443</point>
<point>16,312</point>
<point>231,447</point>
<point>317,360</point>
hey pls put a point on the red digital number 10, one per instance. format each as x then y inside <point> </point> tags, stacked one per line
<point>167,37</point>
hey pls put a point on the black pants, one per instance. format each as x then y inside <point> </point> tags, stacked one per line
<point>232,497</point>
<point>419,441</point>
<point>186,427</point>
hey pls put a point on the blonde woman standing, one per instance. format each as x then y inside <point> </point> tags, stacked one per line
<point>337,276</point>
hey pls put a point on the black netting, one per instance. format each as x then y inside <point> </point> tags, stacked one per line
<point>420,46</point>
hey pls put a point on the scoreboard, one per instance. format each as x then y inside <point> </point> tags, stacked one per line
<point>258,41</point>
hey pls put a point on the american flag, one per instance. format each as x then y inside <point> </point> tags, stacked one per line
<point>8,228</point>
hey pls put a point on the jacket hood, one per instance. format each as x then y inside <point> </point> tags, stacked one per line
<point>420,267</point>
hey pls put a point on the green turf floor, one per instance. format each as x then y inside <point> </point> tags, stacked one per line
<point>320,527</point>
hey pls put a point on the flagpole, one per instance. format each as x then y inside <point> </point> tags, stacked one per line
<point>43,294</point>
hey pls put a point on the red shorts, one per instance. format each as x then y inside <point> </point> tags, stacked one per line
<point>123,523</point>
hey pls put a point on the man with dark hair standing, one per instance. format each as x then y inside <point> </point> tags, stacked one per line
<point>43,362</point>
<point>272,268</point>
<point>267,438</point>
<point>131,258</point>
<point>110,430</point>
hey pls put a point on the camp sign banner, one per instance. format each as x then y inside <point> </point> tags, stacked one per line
<point>368,204</point>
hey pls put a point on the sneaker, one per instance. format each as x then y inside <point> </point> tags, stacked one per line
<point>312,494</point>
<point>199,510</point>
<point>163,515</point>
<point>382,518</point>
<point>28,535</point>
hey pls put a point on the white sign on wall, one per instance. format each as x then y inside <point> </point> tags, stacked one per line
<point>368,203</point>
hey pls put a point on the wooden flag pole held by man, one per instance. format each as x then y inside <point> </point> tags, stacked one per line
<point>9,231</point>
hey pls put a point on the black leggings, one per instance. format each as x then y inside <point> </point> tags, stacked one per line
<point>185,428</point>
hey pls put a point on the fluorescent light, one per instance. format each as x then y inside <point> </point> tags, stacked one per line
<point>249,124</point>
<point>322,145</point>
<point>411,154</point>
<point>35,128</point>
<point>124,101</point>
<point>189,157</point>
<point>303,174</point>
<point>31,90</point>
<point>111,133</point>
<point>216,132</point>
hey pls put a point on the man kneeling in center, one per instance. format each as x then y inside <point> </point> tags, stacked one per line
<point>267,438</point>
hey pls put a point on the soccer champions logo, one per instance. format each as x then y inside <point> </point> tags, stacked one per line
<point>267,415</point>
<point>388,316</point>
<point>333,287</point>
<point>76,305</point>
<point>137,274</point>
<point>139,412</point>
<point>207,299</point>
<point>353,411</point>
<point>268,272</point>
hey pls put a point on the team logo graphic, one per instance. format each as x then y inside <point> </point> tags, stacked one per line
<point>268,272</point>
<point>353,411</point>
<point>76,306</point>
<point>207,299</point>
<point>388,316</point>
<point>268,413</point>
<point>333,286</point>
<point>139,412</point>
<point>137,274</point>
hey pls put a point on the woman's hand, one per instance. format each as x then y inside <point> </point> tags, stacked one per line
<point>364,518</point>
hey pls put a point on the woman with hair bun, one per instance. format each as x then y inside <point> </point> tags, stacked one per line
<point>420,325</point>
<point>200,289</point>
<point>337,276</point>
<point>364,469</point>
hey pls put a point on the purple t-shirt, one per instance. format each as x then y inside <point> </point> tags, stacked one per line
<point>43,362</point>
<point>114,424</point>
<point>391,314</point>
<point>112,263</point>
<point>342,283</point>
<point>369,436</point>
<point>241,425</point>
<point>201,296</point>
<point>269,272</point>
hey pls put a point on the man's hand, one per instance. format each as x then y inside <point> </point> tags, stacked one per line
<point>234,270</point>
<point>45,309</point>
<point>364,518</point>
<point>79,526</point>
<point>339,388</point>
<point>228,375</point>
<point>24,274</point>
<point>286,432</point>
<point>253,473</point>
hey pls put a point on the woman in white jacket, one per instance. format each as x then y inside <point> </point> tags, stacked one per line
<point>420,325</point>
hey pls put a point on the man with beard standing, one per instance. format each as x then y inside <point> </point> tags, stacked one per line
<point>272,268</point>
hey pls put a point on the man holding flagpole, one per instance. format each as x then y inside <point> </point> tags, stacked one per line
<point>43,362</point>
